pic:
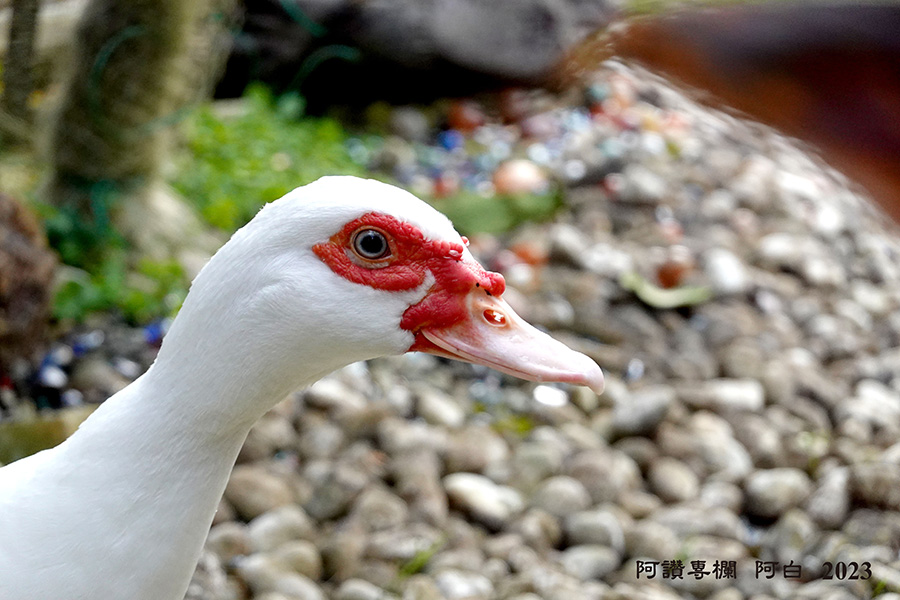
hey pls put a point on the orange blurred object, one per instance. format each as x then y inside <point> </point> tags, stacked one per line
<point>828,74</point>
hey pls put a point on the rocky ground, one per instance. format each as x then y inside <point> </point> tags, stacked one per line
<point>743,301</point>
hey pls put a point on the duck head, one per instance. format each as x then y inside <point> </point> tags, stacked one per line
<point>346,269</point>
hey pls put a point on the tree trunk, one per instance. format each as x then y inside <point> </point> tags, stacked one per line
<point>17,72</point>
<point>136,67</point>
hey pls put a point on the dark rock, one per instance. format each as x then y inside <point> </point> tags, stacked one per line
<point>27,269</point>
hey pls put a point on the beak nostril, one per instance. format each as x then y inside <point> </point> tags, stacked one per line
<point>494,317</point>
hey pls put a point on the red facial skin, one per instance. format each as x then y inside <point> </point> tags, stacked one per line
<point>406,267</point>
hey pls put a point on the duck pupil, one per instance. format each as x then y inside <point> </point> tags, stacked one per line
<point>371,244</point>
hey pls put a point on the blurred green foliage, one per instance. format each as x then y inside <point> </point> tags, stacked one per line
<point>235,164</point>
<point>419,560</point>
<point>99,276</point>
<point>472,213</point>
<point>234,157</point>
<point>149,290</point>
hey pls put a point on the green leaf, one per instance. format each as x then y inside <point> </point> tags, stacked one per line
<point>658,297</point>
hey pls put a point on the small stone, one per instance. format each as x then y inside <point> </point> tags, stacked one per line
<point>605,474</point>
<point>762,441</point>
<point>209,581</point>
<point>874,404</point>
<point>253,491</point>
<point>301,556</point>
<point>409,123</point>
<point>228,540</point>
<point>93,373</point>
<point>359,589</point>
<point>263,573</point>
<point>772,492</point>
<point>641,450</point>
<point>727,594</point>
<point>601,527</point>
<point>724,456</point>
<point>781,250</point>
<point>722,494</point>
<point>438,408</point>
<point>342,553</point>
<point>606,260</point>
<point>688,520</point>
<point>269,435</point>
<point>466,559</point>
<point>724,394</point>
<point>474,448</point>
<point>752,186</point>
<point>643,411</point>
<point>639,504</point>
<point>421,587</point>
<point>791,536</point>
<point>376,508</point>
<point>455,584</point>
<point>726,272</point>
<point>678,265</point>
<point>561,495</point>
<point>871,297</point>
<point>331,394</point>
<point>672,480</point>
<point>876,485</point>
<point>488,503</point>
<point>744,359</point>
<point>538,528</point>
<point>533,462</point>
<point>277,526</point>
<point>272,596</point>
<point>549,395</point>
<point>642,186</point>
<point>224,512</point>
<point>397,435</point>
<point>652,540</point>
<point>336,492</point>
<point>541,126</point>
<point>520,176</point>
<point>590,561</point>
<point>465,115</point>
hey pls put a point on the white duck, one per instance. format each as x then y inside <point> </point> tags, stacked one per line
<point>338,271</point>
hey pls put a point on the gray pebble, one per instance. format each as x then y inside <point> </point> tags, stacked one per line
<point>438,408</point>
<point>228,540</point>
<point>672,480</point>
<point>456,585</point>
<point>643,411</point>
<point>301,556</point>
<point>377,508</point>
<point>770,493</point>
<point>488,503</point>
<point>590,561</point>
<point>252,491</point>
<point>277,526</point>
<point>724,395</point>
<point>561,495</point>
<point>829,503</point>
<point>726,272</point>
<point>601,527</point>
<point>605,474</point>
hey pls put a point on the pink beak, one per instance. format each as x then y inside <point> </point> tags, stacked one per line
<point>492,334</point>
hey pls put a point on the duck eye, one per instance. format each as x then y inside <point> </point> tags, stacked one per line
<point>371,244</point>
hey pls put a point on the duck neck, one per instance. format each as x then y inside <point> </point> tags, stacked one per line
<point>150,465</point>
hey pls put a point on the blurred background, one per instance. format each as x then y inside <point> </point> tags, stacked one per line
<point>696,195</point>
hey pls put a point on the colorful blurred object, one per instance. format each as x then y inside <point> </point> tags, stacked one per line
<point>828,74</point>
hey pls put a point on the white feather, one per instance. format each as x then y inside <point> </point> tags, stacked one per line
<point>120,511</point>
